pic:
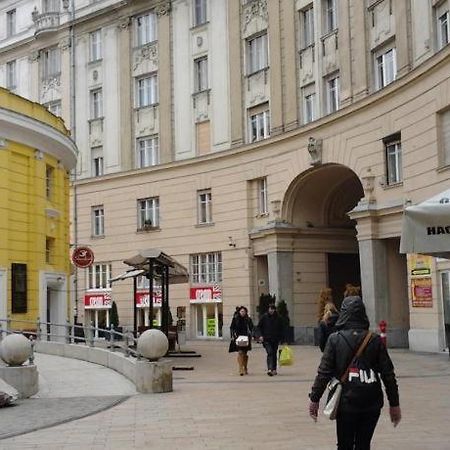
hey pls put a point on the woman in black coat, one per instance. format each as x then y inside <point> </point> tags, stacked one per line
<point>241,325</point>
<point>362,397</point>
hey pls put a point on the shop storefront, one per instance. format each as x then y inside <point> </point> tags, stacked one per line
<point>143,308</point>
<point>97,307</point>
<point>206,311</point>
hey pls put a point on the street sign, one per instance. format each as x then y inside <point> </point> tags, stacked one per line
<point>83,257</point>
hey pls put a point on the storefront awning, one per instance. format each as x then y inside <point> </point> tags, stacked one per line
<point>426,227</point>
<point>177,272</point>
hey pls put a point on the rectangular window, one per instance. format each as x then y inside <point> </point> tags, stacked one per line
<point>95,45</point>
<point>50,6</point>
<point>206,268</point>
<point>148,213</point>
<point>332,94</point>
<point>96,97</point>
<point>49,181</point>
<point>99,276</point>
<point>444,137</point>
<point>385,68</point>
<point>309,104</point>
<point>204,200</point>
<point>443,29</point>
<point>10,23</point>
<point>259,126</point>
<point>257,53</point>
<point>97,161</point>
<point>307,21</point>
<point>54,107</point>
<point>330,14</point>
<point>147,152</point>
<point>11,80</point>
<point>98,221</point>
<point>146,29</point>
<point>200,12</point>
<point>51,60</point>
<point>201,74</point>
<point>262,196</point>
<point>203,135</point>
<point>393,148</point>
<point>146,91</point>
<point>49,249</point>
<point>19,288</point>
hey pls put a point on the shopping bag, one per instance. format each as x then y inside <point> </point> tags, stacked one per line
<point>286,356</point>
<point>331,408</point>
<point>242,341</point>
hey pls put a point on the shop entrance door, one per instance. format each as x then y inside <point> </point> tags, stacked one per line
<point>343,268</point>
<point>445,278</point>
<point>209,320</point>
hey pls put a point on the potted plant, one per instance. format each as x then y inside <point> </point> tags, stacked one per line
<point>284,316</point>
<point>114,319</point>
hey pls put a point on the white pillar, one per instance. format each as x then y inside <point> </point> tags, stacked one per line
<point>216,318</point>
<point>96,322</point>
<point>281,277</point>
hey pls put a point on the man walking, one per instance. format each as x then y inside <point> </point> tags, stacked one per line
<point>270,332</point>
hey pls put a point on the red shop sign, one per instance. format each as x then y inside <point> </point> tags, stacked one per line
<point>142,299</point>
<point>203,294</point>
<point>99,300</point>
<point>83,257</point>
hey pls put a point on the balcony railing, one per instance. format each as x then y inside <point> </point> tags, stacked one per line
<point>46,22</point>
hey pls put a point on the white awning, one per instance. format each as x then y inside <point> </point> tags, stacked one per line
<point>426,227</point>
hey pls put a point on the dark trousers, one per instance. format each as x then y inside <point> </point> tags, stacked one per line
<point>355,431</point>
<point>272,350</point>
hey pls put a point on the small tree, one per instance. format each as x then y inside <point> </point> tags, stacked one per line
<point>264,301</point>
<point>114,319</point>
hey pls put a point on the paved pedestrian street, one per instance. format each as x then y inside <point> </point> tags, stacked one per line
<point>214,408</point>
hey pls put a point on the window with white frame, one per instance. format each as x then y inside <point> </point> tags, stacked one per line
<point>443,28</point>
<point>385,68</point>
<point>97,161</point>
<point>332,86</point>
<point>330,15</point>
<point>99,276</point>
<point>259,125</point>
<point>263,207</point>
<point>54,107</point>
<point>309,103</point>
<point>257,53</point>
<point>10,23</point>
<point>95,45</point>
<point>204,204</point>
<point>146,90</point>
<point>393,149</point>
<point>146,29</point>
<point>96,98</point>
<point>148,213</point>
<point>200,12</point>
<point>201,74</point>
<point>444,137</point>
<point>206,268</point>
<point>98,221</point>
<point>51,63</point>
<point>307,22</point>
<point>147,151</point>
<point>11,78</point>
<point>51,6</point>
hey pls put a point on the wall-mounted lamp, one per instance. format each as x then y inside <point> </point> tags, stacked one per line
<point>231,242</point>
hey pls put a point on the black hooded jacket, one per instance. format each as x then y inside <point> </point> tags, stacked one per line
<point>341,346</point>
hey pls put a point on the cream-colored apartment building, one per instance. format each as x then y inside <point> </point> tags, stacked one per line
<point>267,145</point>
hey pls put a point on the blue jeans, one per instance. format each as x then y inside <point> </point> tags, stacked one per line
<point>272,351</point>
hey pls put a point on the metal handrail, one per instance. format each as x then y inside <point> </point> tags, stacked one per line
<point>87,338</point>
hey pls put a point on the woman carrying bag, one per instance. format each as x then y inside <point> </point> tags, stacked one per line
<point>241,329</point>
<point>363,358</point>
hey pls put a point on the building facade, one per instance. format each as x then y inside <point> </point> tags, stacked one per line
<point>36,155</point>
<point>269,146</point>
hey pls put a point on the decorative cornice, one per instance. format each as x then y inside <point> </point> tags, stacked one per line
<point>34,56</point>
<point>148,52</point>
<point>124,23</point>
<point>64,44</point>
<point>253,9</point>
<point>163,8</point>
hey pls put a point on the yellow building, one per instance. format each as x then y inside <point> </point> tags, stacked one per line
<point>36,155</point>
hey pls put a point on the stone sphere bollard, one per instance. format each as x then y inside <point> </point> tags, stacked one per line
<point>15,349</point>
<point>152,344</point>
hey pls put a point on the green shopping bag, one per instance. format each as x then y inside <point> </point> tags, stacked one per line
<point>286,356</point>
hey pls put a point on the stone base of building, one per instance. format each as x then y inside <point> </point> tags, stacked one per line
<point>25,379</point>
<point>424,340</point>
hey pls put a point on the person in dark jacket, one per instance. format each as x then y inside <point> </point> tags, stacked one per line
<point>362,397</point>
<point>241,325</point>
<point>270,333</point>
<point>328,324</point>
